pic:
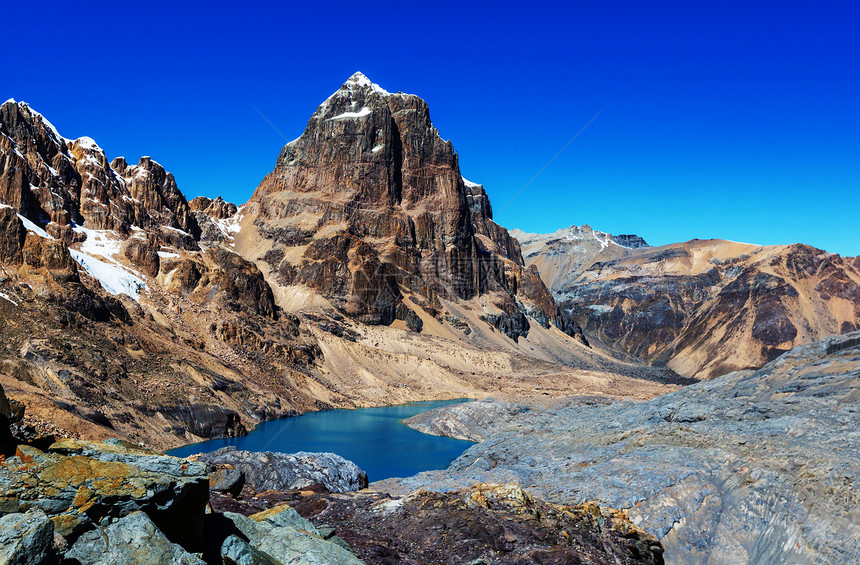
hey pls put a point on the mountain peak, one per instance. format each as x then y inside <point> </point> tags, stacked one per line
<point>360,79</point>
<point>33,116</point>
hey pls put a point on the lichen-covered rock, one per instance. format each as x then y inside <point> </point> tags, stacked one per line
<point>227,480</point>
<point>80,483</point>
<point>281,471</point>
<point>132,540</point>
<point>284,516</point>
<point>486,523</point>
<point>26,539</point>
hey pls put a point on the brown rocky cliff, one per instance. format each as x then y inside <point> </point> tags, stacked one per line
<point>371,198</point>
<point>45,177</point>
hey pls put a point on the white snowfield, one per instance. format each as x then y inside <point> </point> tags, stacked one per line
<point>100,242</point>
<point>230,226</point>
<point>470,184</point>
<point>114,277</point>
<point>34,228</point>
<point>5,296</point>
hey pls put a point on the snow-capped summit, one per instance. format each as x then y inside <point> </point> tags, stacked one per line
<point>360,79</point>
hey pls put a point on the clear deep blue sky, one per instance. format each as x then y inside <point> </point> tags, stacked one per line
<point>738,120</point>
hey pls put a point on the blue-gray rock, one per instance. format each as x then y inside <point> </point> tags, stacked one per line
<point>26,539</point>
<point>226,480</point>
<point>752,467</point>
<point>236,551</point>
<point>284,471</point>
<point>132,540</point>
<point>284,516</point>
<point>286,544</point>
<point>471,421</point>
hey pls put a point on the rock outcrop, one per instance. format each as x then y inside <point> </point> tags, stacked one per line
<point>115,503</point>
<point>131,539</point>
<point>703,308</point>
<point>471,421</point>
<point>26,539</point>
<point>752,467</point>
<point>113,313</point>
<point>82,484</point>
<point>280,535</point>
<point>282,471</point>
<point>46,176</point>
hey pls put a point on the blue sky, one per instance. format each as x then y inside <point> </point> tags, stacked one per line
<point>738,120</point>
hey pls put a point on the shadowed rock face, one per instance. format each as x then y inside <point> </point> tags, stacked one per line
<point>705,307</point>
<point>752,467</point>
<point>372,207</point>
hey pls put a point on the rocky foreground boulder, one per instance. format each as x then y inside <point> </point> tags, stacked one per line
<point>282,471</point>
<point>26,538</point>
<point>752,467</point>
<point>81,485</point>
<point>132,539</point>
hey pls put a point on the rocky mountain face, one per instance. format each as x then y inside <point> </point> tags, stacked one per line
<point>751,467</point>
<point>368,208</point>
<point>126,310</point>
<point>60,182</point>
<point>704,307</point>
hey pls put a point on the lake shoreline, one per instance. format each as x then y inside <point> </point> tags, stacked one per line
<point>375,438</point>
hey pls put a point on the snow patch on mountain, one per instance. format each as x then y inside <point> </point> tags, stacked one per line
<point>106,243</point>
<point>350,115</point>
<point>114,278</point>
<point>31,226</point>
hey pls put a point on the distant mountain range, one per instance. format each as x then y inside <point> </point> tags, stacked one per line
<point>704,307</point>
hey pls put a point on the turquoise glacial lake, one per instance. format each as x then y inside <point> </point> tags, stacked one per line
<point>372,438</point>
